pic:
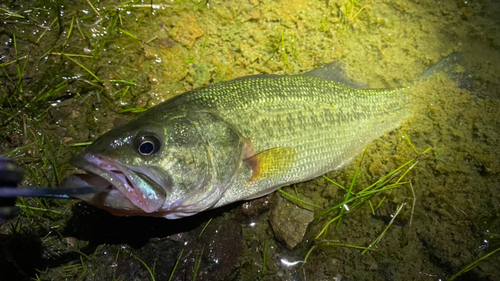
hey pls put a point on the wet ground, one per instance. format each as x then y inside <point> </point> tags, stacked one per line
<point>70,71</point>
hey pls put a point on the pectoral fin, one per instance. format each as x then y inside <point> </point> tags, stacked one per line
<point>271,163</point>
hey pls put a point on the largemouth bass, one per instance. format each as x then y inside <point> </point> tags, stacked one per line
<point>235,140</point>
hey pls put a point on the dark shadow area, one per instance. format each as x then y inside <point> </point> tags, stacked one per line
<point>20,255</point>
<point>99,227</point>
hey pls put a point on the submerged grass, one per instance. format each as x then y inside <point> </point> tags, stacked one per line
<point>81,144</point>
<point>264,255</point>
<point>175,266</point>
<point>83,67</point>
<point>348,14</point>
<point>353,200</point>
<point>385,230</point>
<point>36,75</point>
<point>6,14</point>
<point>264,271</point>
<point>205,227</point>
<point>197,265</point>
<point>472,265</point>
<point>347,246</point>
<point>131,110</point>
<point>151,272</point>
<point>298,199</point>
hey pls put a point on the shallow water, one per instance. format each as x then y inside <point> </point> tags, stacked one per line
<point>138,59</point>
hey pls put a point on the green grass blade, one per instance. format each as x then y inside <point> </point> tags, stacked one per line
<point>385,230</point>
<point>83,67</point>
<point>349,246</point>
<point>14,61</point>
<point>409,142</point>
<point>81,144</point>
<point>205,227</point>
<point>283,48</point>
<point>344,206</point>
<point>128,33</point>
<point>132,110</point>
<point>325,228</point>
<point>71,55</point>
<point>264,260</point>
<point>338,185</point>
<point>19,149</point>
<point>197,265</point>
<point>298,199</point>
<point>146,266</point>
<point>175,266</point>
<point>472,265</point>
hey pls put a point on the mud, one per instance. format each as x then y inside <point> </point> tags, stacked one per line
<point>135,57</point>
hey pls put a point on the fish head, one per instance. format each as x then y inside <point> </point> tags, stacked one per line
<point>150,167</point>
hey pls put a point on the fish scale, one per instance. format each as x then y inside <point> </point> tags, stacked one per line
<point>325,122</point>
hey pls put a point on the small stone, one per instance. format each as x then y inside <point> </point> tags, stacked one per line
<point>223,246</point>
<point>74,114</point>
<point>149,53</point>
<point>290,221</point>
<point>255,207</point>
<point>179,237</point>
<point>165,43</point>
<point>72,241</point>
<point>186,31</point>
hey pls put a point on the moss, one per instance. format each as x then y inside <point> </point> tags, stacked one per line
<point>48,101</point>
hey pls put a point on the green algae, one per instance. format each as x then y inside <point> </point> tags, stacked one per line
<point>84,72</point>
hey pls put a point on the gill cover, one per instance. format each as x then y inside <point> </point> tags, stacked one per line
<point>208,153</point>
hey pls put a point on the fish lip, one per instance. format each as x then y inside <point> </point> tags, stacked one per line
<point>119,177</point>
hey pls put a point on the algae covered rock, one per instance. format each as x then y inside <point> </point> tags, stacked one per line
<point>186,31</point>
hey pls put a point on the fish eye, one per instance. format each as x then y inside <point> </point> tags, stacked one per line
<point>147,145</point>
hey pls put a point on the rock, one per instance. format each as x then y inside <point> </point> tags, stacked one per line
<point>186,31</point>
<point>254,208</point>
<point>173,65</point>
<point>165,43</point>
<point>290,221</point>
<point>222,242</point>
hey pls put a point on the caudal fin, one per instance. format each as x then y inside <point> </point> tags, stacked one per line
<point>453,66</point>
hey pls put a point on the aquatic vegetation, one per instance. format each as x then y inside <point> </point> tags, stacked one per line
<point>472,265</point>
<point>298,199</point>
<point>51,107</point>
<point>197,265</point>
<point>152,272</point>
<point>205,227</point>
<point>348,15</point>
<point>175,265</point>
<point>390,181</point>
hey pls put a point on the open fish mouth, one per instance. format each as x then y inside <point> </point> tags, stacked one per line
<point>131,189</point>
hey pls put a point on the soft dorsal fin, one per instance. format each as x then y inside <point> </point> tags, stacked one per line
<point>333,71</point>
